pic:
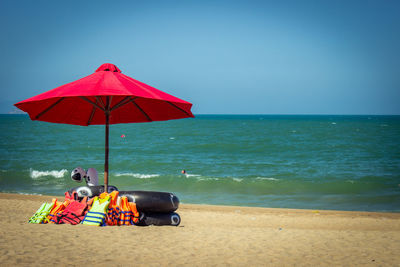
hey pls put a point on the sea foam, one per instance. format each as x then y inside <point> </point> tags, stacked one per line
<point>57,174</point>
<point>192,175</point>
<point>267,178</point>
<point>30,194</point>
<point>137,175</point>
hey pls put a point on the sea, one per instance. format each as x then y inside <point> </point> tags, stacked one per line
<point>280,161</point>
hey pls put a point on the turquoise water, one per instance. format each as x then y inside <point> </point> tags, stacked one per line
<point>312,162</point>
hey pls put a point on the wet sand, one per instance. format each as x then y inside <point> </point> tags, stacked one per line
<point>207,236</point>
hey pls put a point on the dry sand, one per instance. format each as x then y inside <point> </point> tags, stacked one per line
<point>207,236</point>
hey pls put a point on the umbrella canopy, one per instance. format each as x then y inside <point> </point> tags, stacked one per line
<point>84,102</point>
<point>105,97</point>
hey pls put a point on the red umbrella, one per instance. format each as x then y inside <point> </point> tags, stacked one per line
<point>105,97</point>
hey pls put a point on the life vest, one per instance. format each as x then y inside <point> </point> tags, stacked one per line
<point>70,197</point>
<point>97,214</point>
<point>135,217</point>
<point>42,213</point>
<point>126,215</point>
<point>57,208</point>
<point>113,209</point>
<point>89,204</point>
<point>73,213</point>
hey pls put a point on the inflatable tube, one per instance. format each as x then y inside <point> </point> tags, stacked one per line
<point>91,191</point>
<point>146,201</point>
<point>149,201</point>
<point>159,219</point>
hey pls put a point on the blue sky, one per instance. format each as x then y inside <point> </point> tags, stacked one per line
<point>226,57</point>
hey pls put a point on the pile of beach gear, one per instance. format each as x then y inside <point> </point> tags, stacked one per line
<point>90,205</point>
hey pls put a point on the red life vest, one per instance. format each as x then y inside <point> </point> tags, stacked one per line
<point>57,211</point>
<point>73,213</point>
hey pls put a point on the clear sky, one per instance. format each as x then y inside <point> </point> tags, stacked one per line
<point>226,57</point>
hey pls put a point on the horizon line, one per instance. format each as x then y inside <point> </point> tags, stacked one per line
<point>265,114</point>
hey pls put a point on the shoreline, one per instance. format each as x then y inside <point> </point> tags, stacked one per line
<point>228,207</point>
<point>208,235</point>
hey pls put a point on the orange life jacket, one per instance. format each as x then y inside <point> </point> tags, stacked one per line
<point>135,217</point>
<point>89,204</point>
<point>57,208</point>
<point>126,215</point>
<point>113,209</point>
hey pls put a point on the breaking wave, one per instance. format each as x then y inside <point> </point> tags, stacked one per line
<point>137,175</point>
<point>267,178</point>
<point>34,174</point>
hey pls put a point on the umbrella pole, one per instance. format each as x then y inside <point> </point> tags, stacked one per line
<point>106,155</point>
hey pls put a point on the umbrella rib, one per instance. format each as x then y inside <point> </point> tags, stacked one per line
<point>91,115</point>
<point>141,110</point>
<point>47,109</point>
<point>121,103</point>
<point>101,102</point>
<point>175,106</point>
<point>91,102</point>
<point>109,103</point>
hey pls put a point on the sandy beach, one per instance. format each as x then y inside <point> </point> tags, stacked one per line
<point>207,236</point>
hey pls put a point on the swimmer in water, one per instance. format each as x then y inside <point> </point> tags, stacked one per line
<point>183,171</point>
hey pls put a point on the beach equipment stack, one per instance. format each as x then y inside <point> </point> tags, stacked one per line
<point>105,209</point>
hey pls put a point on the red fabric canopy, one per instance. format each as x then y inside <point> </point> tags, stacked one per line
<point>83,102</point>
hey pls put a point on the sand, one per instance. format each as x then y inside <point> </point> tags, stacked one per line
<point>208,236</point>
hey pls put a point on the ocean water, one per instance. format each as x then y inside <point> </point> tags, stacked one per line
<point>308,162</point>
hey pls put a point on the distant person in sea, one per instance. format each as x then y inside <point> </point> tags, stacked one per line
<point>183,171</point>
